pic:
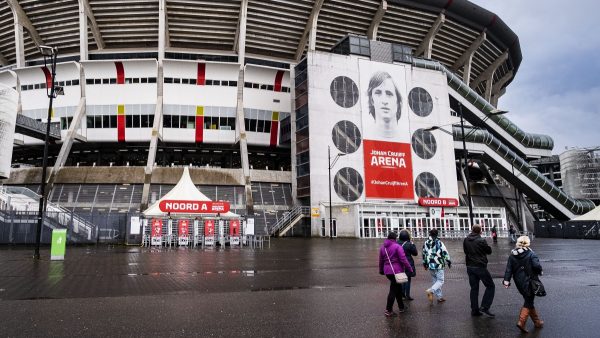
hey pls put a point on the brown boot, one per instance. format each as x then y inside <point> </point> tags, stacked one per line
<point>523,315</point>
<point>537,321</point>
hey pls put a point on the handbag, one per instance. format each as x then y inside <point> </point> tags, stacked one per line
<point>400,277</point>
<point>536,287</point>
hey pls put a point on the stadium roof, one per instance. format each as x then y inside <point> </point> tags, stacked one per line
<point>276,29</point>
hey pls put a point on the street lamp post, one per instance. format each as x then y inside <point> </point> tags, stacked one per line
<point>48,53</point>
<point>331,164</point>
<point>466,168</point>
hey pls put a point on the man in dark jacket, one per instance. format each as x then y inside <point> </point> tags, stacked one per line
<point>476,249</point>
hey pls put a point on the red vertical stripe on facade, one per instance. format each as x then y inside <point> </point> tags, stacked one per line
<point>201,78</point>
<point>121,128</point>
<point>120,72</point>
<point>199,129</point>
<point>278,79</point>
<point>274,133</point>
<point>48,77</point>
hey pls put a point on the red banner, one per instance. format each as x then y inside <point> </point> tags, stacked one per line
<point>234,227</point>
<point>438,202</point>
<point>194,207</point>
<point>209,227</point>
<point>184,228</point>
<point>156,227</point>
<point>388,170</point>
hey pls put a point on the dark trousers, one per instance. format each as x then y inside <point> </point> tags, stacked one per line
<point>394,294</point>
<point>406,288</point>
<point>528,301</point>
<point>477,274</point>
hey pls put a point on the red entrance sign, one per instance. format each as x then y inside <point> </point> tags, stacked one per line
<point>234,227</point>
<point>193,207</point>
<point>438,202</point>
<point>156,227</point>
<point>388,170</point>
<point>184,228</point>
<point>209,227</point>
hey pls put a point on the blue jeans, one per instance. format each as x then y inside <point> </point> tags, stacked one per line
<point>437,276</point>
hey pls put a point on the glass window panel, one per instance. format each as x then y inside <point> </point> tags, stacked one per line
<point>128,121</point>
<point>105,121</point>
<point>144,121</point>
<point>113,121</point>
<point>136,121</point>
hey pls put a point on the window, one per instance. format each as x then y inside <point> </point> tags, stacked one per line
<point>144,80</point>
<point>247,84</point>
<point>270,87</point>
<point>113,121</point>
<point>98,121</point>
<point>36,86</point>
<point>136,80</point>
<point>216,82</point>
<point>253,125</point>
<point>168,80</point>
<point>97,81</point>
<point>260,126</point>
<point>104,81</point>
<point>150,121</point>
<point>263,86</point>
<point>232,83</point>
<point>185,81</point>
<point>75,82</point>
<point>89,81</point>
<point>144,121</point>
<point>209,82</point>
<point>89,121</point>
<point>192,81</point>
<point>105,121</point>
<point>167,121</point>
<point>255,86</point>
<point>136,121</point>
<point>112,80</point>
<point>128,121</point>
<point>151,80</point>
<point>267,126</point>
<point>175,121</point>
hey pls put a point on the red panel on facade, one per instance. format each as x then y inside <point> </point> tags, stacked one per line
<point>121,128</point>
<point>278,79</point>
<point>48,77</point>
<point>120,72</point>
<point>274,132</point>
<point>199,129</point>
<point>201,77</point>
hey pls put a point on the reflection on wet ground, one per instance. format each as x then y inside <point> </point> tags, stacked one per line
<point>314,287</point>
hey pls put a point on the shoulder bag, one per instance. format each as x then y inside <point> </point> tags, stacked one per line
<point>536,287</point>
<point>400,277</point>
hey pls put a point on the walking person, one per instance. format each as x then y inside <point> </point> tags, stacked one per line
<point>523,265</point>
<point>476,250</point>
<point>410,249</point>
<point>495,234</point>
<point>392,260</point>
<point>435,259</point>
<point>513,234</point>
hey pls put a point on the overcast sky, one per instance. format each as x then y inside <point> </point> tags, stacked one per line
<point>557,88</point>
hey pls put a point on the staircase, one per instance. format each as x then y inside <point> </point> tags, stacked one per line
<point>19,205</point>
<point>288,220</point>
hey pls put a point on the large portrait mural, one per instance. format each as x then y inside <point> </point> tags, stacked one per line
<point>387,149</point>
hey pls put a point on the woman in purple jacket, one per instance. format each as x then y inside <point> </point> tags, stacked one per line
<point>393,260</point>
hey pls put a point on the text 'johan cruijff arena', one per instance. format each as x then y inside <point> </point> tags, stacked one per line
<point>345,118</point>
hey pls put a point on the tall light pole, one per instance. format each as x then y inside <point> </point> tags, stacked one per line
<point>49,54</point>
<point>331,164</point>
<point>464,136</point>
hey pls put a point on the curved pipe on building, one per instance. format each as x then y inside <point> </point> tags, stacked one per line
<point>528,140</point>
<point>475,135</point>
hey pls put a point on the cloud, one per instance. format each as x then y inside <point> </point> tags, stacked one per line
<point>557,89</point>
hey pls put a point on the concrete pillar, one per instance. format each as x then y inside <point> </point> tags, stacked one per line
<point>161,29</point>
<point>19,45</point>
<point>152,148</point>
<point>293,135</point>
<point>83,34</point>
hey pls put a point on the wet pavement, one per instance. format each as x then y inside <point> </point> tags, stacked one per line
<point>295,288</point>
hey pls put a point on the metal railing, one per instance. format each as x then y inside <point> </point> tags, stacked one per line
<point>18,200</point>
<point>576,206</point>
<point>288,217</point>
<point>528,140</point>
<point>30,126</point>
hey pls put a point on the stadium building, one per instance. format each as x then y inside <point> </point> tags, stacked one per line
<point>343,118</point>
